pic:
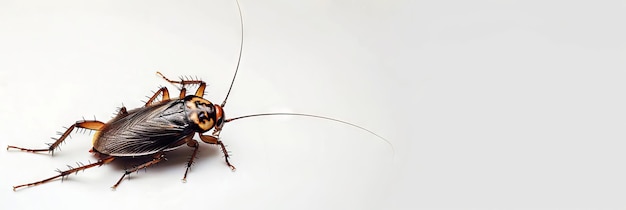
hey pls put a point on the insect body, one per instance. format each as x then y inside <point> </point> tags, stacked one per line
<point>150,130</point>
<point>160,126</point>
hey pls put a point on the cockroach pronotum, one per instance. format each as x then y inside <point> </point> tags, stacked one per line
<point>161,126</point>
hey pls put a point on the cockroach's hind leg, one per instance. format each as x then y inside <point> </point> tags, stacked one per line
<point>165,95</point>
<point>86,124</point>
<point>194,144</point>
<point>67,172</point>
<point>214,140</point>
<point>157,158</point>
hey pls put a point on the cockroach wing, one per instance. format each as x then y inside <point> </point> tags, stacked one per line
<point>145,131</point>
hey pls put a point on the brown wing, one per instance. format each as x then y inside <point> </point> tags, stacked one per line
<point>145,130</point>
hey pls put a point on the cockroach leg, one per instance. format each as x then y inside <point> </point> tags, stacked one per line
<point>226,156</point>
<point>214,140</point>
<point>194,144</point>
<point>157,158</point>
<point>86,124</point>
<point>199,92</point>
<point>183,92</point>
<point>100,162</point>
<point>165,95</point>
<point>122,112</point>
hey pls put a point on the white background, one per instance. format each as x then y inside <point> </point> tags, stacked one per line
<point>489,104</point>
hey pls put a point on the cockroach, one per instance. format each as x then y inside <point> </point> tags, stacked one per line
<point>160,126</point>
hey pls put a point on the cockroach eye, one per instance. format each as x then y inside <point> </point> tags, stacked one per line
<point>219,122</point>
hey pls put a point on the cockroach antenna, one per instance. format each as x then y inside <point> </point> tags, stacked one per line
<point>292,114</point>
<point>240,52</point>
<point>393,151</point>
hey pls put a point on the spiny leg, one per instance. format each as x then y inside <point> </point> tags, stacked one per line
<point>199,92</point>
<point>214,140</point>
<point>122,112</point>
<point>68,172</point>
<point>86,124</point>
<point>183,92</point>
<point>165,96</point>
<point>157,158</point>
<point>194,144</point>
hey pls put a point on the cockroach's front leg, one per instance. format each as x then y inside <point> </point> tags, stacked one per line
<point>214,140</point>
<point>86,124</point>
<point>157,158</point>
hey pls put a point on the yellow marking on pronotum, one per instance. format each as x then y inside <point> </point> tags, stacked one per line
<point>204,124</point>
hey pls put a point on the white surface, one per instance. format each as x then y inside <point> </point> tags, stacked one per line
<point>490,104</point>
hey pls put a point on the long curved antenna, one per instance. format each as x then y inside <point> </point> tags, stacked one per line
<point>316,116</point>
<point>240,52</point>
